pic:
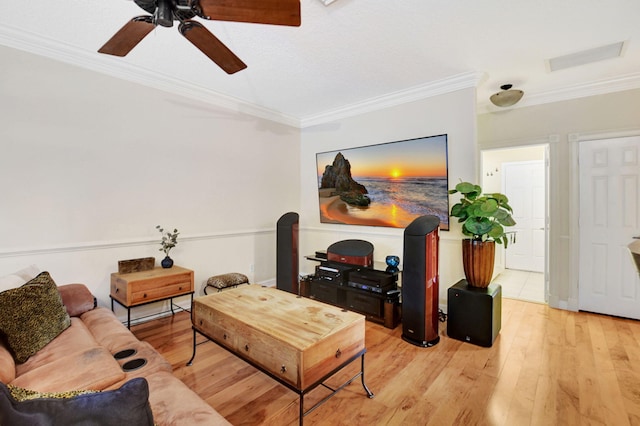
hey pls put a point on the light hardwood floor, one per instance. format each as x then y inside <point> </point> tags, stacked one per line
<point>547,367</point>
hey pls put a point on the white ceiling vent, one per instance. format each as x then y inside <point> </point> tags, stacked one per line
<point>327,2</point>
<point>586,56</point>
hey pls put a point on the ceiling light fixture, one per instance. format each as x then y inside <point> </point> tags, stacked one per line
<point>507,96</point>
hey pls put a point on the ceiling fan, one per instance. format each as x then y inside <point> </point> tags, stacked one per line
<point>164,12</point>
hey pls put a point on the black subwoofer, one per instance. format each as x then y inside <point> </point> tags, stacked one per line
<point>287,265</point>
<point>474,315</point>
<point>420,282</point>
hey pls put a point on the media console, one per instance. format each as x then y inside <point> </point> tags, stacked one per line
<point>371,292</point>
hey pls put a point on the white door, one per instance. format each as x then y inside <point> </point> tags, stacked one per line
<point>524,185</point>
<point>609,218</point>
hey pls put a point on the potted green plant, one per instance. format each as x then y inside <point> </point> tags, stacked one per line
<point>484,218</point>
<point>169,241</point>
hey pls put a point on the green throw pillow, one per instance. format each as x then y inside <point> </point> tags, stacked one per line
<point>32,316</point>
<point>128,406</point>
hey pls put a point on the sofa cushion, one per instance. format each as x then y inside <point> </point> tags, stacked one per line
<point>175,404</point>
<point>108,330</point>
<point>153,362</point>
<point>7,365</point>
<point>76,298</point>
<point>94,368</point>
<point>19,277</point>
<point>32,315</point>
<point>128,405</point>
<point>76,338</point>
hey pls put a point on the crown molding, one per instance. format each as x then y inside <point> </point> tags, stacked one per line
<point>599,87</point>
<point>104,64</point>
<point>446,85</point>
<point>36,44</point>
<point>32,43</point>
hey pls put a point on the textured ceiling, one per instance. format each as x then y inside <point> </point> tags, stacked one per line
<point>351,54</point>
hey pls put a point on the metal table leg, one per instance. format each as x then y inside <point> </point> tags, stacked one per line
<point>190,362</point>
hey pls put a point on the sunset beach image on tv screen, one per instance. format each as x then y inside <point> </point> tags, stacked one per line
<point>388,184</point>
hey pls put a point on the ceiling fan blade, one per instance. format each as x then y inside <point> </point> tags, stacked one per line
<point>209,44</point>
<point>128,36</point>
<point>276,12</point>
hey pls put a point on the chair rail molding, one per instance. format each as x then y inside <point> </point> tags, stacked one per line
<point>105,245</point>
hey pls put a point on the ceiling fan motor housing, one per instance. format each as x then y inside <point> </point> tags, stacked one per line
<point>167,11</point>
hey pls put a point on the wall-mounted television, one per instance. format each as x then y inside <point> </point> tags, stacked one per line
<point>388,184</point>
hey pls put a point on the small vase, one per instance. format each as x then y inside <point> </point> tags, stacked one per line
<point>167,262</point>
<point>392,263</point>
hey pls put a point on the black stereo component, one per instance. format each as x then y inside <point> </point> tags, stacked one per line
<point>369,288</point>
<point>328,273</point>
<point>372,280</point>
<point>333,271</point>
<point>347,283</point>
<point>321,255</point>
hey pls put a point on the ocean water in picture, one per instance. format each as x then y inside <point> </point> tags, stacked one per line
<point>415,195</point>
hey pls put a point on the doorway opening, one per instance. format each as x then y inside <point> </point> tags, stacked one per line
<point>521,173</point>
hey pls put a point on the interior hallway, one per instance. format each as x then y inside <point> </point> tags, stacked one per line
<point>522,285</point>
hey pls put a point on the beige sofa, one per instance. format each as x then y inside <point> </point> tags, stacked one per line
<point>81,357</point>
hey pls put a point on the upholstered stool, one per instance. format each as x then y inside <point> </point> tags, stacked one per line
<point>223,281</point>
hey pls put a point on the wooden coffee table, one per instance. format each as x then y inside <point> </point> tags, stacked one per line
<point>297,341</point>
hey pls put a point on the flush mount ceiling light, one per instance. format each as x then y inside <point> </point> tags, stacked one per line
<point>507,96</point>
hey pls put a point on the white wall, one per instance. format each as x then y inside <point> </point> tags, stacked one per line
<point>91,164</point>
<point>453,113</point>
<point>555,124</point>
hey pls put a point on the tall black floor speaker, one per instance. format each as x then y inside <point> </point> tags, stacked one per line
<point>287,265</point>
<point>420,282</point>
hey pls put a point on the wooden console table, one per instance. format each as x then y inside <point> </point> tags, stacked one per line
<point>296,341</point>
<point>141,288</point>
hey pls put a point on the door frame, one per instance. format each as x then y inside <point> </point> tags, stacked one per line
<point>574,203</point>
<point>552,241</point>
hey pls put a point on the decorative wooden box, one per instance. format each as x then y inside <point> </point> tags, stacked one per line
<point>136,265</point>
<point>295,339</point>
